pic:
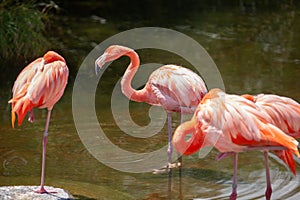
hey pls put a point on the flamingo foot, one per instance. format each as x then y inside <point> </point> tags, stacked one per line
<point>174,165</point>
<point>159,171</point>
<point>42,190</point>
<point>233,195</point>
<point>268,193</point>
<point>167,168</point>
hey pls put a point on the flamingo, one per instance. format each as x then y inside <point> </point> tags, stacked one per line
<point>232,123</point>
<point>284,113</point>
<point>39,85</point>
<point>175,88</point>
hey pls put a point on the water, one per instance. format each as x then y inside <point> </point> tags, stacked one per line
<point>256,48</point>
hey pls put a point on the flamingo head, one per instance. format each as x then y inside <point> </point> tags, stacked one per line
<point>187,140</point>
<point>52,56</point>
<point>112,53</point>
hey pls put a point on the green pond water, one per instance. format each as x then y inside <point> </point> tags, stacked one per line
<point>256,47</point>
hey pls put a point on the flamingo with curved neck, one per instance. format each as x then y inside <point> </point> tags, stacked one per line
<point>175,88</point>
<point>233,123</point>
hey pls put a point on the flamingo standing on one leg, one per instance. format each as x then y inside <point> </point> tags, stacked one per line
<point>40,85</point>
<point>231,123</point>
<point>175,88</point>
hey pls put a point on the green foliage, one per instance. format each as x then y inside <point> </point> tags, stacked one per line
<point>21,31</point>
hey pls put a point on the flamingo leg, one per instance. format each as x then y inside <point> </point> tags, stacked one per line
<point>45,140</point>
<point>180,183</point>
<point>170,174</point>
<point>170,148</point>
<point>234,178</point>
<point>170,165</point>
<point>221,156</point>
<point>179,163</point>
<point>269,186</point>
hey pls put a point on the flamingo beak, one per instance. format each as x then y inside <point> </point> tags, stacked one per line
<point>97,69</point>
<point>99,63</point>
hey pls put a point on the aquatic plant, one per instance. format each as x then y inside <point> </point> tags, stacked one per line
<point>21,31</point>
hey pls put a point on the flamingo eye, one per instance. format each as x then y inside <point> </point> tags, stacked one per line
<point>188,137</point>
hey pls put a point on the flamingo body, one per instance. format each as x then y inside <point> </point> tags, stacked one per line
<point>174,88</point>
<point>230,123</point>
<point>39,85</point>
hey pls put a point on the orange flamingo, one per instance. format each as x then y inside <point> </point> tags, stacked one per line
<point>232,123</point>
<point>175,88</point>
<point>39,85</point>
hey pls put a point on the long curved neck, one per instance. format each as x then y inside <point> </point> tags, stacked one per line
<point>128,91</point>
<point>186,145</point>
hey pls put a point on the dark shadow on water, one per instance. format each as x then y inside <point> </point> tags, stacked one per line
<point>206,174</point>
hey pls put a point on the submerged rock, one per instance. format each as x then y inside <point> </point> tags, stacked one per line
<point>27,193</point>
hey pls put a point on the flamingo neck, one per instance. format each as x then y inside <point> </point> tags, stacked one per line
<point>185,145</point>
<point>128,91</point>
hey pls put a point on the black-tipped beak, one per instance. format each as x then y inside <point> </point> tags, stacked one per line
<point>97,69</point>
<point>99,63</point>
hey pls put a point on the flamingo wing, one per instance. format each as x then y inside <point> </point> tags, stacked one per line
<point>178,89</point>
<point>284,112</point>
<point>20,103</point>
<point>48,84</point>
<point>25,77</point>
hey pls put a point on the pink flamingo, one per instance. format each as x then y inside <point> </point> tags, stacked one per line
<point>175,88</point>
<point>232,123</point>
<point>39,85</point>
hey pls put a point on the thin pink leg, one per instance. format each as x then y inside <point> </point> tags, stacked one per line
<point>170,175</point>
<point>269,186</point>
<point>180,196</point>
<point>179,161</point>
<point>45,139</point>
<point>170,148</point>
<point>234,178</point>
<point>221,156</point>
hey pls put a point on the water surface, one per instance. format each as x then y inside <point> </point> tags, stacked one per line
<point>256,48</point>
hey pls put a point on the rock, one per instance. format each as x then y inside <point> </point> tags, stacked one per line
<point>27,193</point>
